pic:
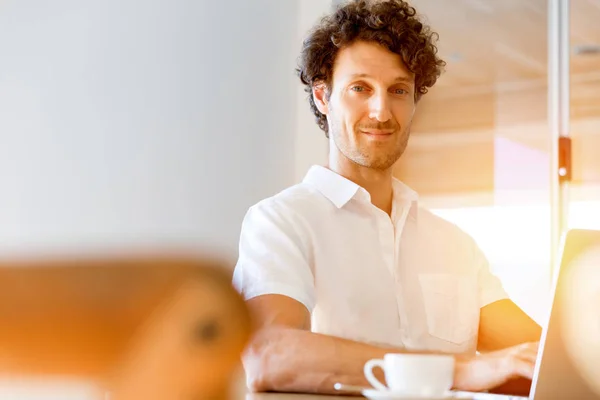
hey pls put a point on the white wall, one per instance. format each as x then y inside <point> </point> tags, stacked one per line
<point>127,123</point>
<point>311,143</point>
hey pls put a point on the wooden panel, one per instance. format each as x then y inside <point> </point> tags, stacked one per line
<point>586,149</point>
<point>448,167</point>
<point>463,162</point>
<point>508,104</point>
<point>437,112</point>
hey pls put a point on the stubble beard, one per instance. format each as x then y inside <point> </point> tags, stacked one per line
<point>364,156</point>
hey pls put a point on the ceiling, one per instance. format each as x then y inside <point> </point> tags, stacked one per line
<point>497,47</point>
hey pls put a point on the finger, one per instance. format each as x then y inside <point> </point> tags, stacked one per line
<point>530,356</point>
<point>529,346</point>
<point>522,368</point>
<point>533,346</point>
<point>527,351</point>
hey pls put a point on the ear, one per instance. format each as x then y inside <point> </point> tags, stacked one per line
<point>319,93</point>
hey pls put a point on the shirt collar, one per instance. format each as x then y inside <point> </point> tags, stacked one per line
<point>405,195</point>
<point>336,188</point>
<point>340,190</point>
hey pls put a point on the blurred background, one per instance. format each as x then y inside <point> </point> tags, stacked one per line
<point>136,125</point>
<point>482,145</point>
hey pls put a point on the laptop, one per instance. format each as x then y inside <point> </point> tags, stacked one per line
<point>557,374</point>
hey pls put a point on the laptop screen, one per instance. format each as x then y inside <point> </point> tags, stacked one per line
<point>569,362</point>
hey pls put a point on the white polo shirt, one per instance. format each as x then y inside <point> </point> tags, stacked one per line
<point>413,280</point>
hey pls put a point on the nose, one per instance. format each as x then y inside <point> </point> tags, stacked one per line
<point>379,107</point>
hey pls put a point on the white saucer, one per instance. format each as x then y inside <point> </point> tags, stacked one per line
<point>374,394</point>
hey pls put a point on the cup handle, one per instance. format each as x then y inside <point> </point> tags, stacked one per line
<point>377,362</point>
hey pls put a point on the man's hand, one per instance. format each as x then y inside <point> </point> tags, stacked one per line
<point>490,370</point>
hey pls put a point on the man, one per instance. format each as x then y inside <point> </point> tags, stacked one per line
<point>345,266</point>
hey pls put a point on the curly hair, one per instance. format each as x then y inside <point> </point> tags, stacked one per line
<point>390,23</point>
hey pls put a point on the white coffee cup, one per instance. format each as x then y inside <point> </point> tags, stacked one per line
<point>421,375</point>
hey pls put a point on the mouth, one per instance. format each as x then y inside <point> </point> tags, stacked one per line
<point>378,133</point>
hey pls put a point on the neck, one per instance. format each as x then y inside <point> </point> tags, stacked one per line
<point>377,182</point>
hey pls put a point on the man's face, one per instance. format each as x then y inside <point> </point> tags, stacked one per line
<point>371,105</point>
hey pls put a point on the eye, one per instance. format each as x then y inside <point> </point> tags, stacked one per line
<point>400,92</point>
<point>358,88</point>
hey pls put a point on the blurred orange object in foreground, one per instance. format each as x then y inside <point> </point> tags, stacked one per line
<point>139,328</point>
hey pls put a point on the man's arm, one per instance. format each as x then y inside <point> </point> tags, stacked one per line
<point>503,324</point>
<point>285,356</point>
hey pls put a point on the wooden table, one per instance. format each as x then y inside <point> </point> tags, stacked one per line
<point>293,396</point>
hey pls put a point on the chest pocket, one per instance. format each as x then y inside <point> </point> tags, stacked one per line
<point>451,305</point>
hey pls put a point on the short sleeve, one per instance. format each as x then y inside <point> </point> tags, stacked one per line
<point>490,286</point>
<point>273,258</point>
